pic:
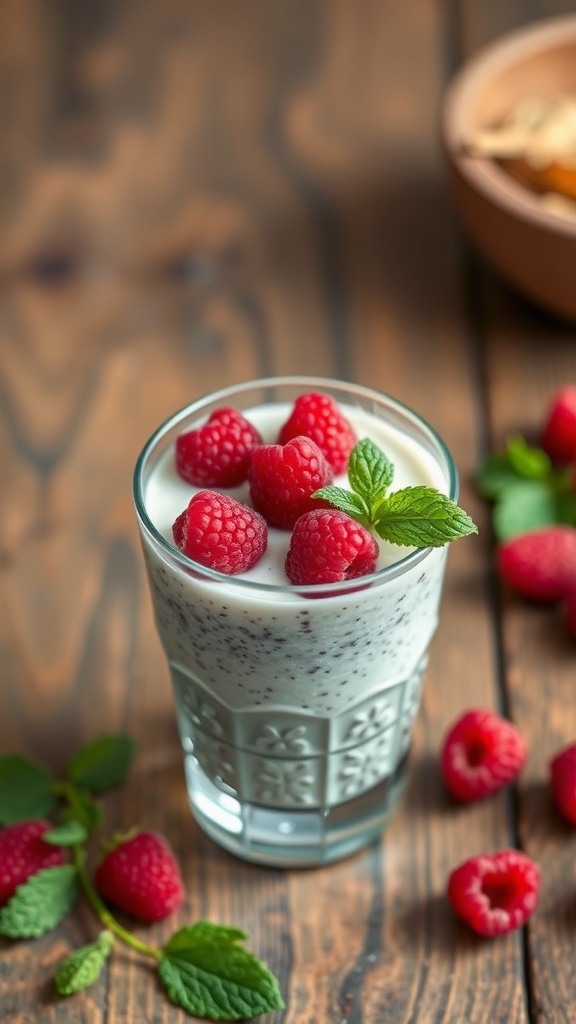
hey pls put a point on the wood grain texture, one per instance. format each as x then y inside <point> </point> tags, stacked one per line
<point>192,195</point>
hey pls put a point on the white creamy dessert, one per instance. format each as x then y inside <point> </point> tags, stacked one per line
<point>287,701</point>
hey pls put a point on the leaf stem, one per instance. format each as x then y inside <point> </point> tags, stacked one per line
<point>79,858</point>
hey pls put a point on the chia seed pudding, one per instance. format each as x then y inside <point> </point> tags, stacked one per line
<point>295,704</point>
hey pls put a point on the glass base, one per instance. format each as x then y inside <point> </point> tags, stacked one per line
<point>292,838</point>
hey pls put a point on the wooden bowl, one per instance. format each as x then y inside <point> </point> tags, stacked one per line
<point>533,247</point>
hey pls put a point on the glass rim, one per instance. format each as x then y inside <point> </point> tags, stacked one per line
<point>380,576</point>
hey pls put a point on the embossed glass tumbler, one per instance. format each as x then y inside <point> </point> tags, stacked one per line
<point>295,705</point>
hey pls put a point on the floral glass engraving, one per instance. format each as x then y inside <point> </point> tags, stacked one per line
<point>371,721</point>
<point>364,766</point>
<point>285,783</point>
<point>275,740</point>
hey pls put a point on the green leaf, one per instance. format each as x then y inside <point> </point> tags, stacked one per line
<point>529,504</point>
<point>102,763</point>
<point>422,517</point>
<point>40,903</point>
<point>495,474</point>
<point>79,970</point>
<point>530,463</point>
<point>345,501</point>
<point>26,790</point>
<point>370,471</point>
<point>207,973</point>
<point>81,808</point>
<point>70,833</point>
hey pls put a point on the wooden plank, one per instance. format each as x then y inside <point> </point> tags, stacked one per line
<point>296,222</point>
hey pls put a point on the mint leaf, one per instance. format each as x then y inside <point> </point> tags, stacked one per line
<point>530,463</point>
<point>102,763</point>
<point>26,790</point>
<point>422,517</point>
<point>345,501</point>
<point>40,903</point>
<point>70,833</point>
<point>79,970</point>
<point>206,972</point>
<point>528,505</point>
<point>370,472</point>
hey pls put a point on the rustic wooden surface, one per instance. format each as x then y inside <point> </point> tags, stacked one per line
<point>192,194</point>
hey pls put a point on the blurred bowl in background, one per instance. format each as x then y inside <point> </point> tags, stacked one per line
<point>533,247</point>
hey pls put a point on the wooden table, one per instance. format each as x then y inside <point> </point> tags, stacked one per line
<point>194,194</point>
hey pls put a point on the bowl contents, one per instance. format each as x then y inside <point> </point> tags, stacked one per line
<point>536,145</point>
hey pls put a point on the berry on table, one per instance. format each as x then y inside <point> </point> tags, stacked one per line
<point>540,564</point>
<point>563,782</point>
<point>141,876</point>
<point>559,434</point>
<point>221,533</point>
<point>328,546</point>
<point>283,477</point>
<point>23,853</point>
<point>495,893</point>
<point>318,417</point>
<point>218,453</point>
<point>481,754</point>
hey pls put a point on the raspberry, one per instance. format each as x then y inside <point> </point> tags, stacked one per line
<point>328,546</point>
<point>318,417</point>
<point>563,782</point>
<point>140,875</point>
<point>220,533</point>
<point>23,853</point>
<point>559,433</point>
<point>570,612</point>
<point>282,478</point>
<point>480,754</point>
<point>541,564</point>
<point>218,453</point>
<point>495,893</point>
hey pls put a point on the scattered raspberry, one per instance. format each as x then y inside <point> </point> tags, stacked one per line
<point>140,875</point>
<point>559,434</point>
<point>328,546</point>
<point>480,754</point>
<point>282,478</point>
<point>540,564</point>
<point>495,893</point>
<point>318,417</point>
<point>563,782</point>
<point>23,852</point>
<point>220,533</point>
<point>217,454</point>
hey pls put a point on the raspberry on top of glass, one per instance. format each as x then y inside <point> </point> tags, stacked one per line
<point>296,486</point>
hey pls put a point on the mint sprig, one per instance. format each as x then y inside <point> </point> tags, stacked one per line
<point>526,490</point>
<point>207,973</point>
<point>413,516</point>
<point>202,967</point>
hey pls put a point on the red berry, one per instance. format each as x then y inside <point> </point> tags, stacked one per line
<point>495,893</point>
<point>23,852</point>
<point>559,434</point>
<point>563,782</point>
<point>282,478</point>
<point>481,753</point>
<point>328,546</point>
<point>570,612</point>
<point>141,876</point>
<point>218,453</point>
<point>541,564</point>
<point>220,533</point>
<point>318,417</point>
